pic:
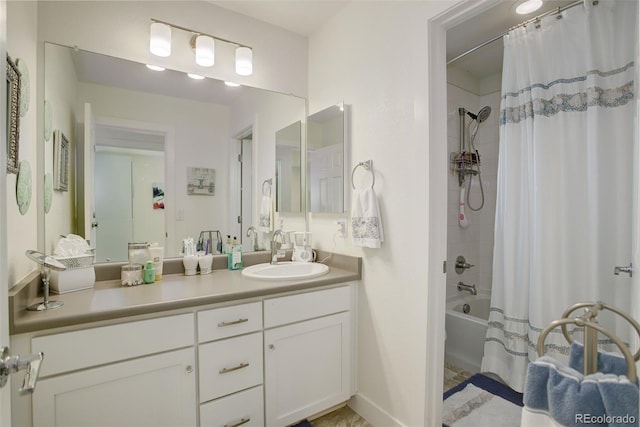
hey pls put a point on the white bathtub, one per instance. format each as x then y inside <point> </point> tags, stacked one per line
<point>464,345</point>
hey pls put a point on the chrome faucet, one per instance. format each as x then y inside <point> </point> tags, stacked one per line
<point>276,252</point>
<point>253,234</point>
<point>464,287</point>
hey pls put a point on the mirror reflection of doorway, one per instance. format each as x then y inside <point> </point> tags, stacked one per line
<point>245,189</point>
<point>128,190</point>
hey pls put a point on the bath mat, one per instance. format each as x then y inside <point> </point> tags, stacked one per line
<point>481,401</point>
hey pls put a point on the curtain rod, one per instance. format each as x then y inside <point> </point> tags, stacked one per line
<point>557,10</point>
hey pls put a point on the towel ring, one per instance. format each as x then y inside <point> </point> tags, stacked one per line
<point>631,366</point>
<point>368,165</point>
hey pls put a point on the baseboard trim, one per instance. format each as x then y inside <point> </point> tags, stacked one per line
<point>371,412</point>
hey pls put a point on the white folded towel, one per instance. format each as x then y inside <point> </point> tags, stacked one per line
<point>266,214</point>
<point>366,221</point>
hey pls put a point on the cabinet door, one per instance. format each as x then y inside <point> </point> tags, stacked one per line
<point>307,368</point>
<point>153,391</point>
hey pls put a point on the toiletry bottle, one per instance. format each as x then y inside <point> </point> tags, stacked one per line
<point>235,256</point>
<point>149,273</point>
<point>227,246</point>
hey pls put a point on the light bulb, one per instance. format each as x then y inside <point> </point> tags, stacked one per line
<point>205,51</point>
<point>160,39</point>
<point>244,61</point>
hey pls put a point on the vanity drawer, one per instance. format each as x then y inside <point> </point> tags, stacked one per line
<point>229,321</point>
<point>230,365</point>
<point>295,308</point>
<point>70,351</point>
<point>241,409</point>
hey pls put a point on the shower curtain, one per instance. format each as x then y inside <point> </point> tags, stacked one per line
<point>563,213</point>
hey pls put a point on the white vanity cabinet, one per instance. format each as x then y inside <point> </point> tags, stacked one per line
<point>308,354</point>
<point>132,374</point>
<point>231,366</point>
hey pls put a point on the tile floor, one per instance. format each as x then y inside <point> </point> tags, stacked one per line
<point>343,417</point>
<point>454,376</point>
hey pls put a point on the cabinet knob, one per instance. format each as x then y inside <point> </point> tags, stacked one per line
<point>189,369</point>
<point>272,347</point>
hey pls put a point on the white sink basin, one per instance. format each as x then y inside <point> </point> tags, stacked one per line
<point>285,271</point>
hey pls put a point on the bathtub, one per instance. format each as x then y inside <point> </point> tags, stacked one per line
<point>464,345</point>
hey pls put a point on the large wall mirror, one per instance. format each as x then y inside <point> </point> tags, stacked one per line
<point>154,154</point>
<point>327,161</point>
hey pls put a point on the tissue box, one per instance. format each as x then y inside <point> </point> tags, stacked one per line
<point>79,274</point>
<point>72,280</point>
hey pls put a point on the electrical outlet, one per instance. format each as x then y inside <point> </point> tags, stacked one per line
<point>342,228</point>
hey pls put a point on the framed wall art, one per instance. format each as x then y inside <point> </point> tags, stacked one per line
<point>13,116</point>
<point>61,149</point>
<point>201,181</point>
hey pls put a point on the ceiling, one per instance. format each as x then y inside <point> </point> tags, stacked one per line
<point>304,17</point>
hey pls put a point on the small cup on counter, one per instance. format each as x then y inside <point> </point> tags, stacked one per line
<point>205,261</point>
<point>131,274</point>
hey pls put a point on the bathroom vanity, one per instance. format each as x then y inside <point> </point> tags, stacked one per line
<point>213,350</point>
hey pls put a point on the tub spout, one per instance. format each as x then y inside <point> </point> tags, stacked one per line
<point>464,287</point>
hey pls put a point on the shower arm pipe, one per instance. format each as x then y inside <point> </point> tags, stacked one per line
<point>557,10</point>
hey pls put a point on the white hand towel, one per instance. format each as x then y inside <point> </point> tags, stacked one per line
<point>266,214</point>
<point>366,221</point>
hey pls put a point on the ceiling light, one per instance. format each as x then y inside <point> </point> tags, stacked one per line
<point>205,51</point>
<point>231,84</point>
<point>528,6</point>
<point>155,67</point>
<point>244,61</point>
<point>195,76</point>
<point>160,39</point>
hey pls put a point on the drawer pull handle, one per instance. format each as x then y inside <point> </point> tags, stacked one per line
<point>239,423</point>
<point>235,322</point>
<point>235,368</point>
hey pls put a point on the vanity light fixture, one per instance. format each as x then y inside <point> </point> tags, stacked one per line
<point>155,67</point>
<point>160,39</point>
<point>203,45</point>
<point>528,6</point>
<point>195,76</point>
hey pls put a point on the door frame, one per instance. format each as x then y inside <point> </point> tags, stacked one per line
<point>235,180</point>
<point>438,172</point>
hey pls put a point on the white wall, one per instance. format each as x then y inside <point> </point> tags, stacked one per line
<point>373,55</point>
<point>22,230</point>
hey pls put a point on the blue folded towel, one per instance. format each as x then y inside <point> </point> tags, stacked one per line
<point>608,363</point>
<point>572,399</point>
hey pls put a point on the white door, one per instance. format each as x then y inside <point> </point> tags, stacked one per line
<point>86,158</point>
<point>246,193</point>
<point>113,205</point>
<point>5,393</point>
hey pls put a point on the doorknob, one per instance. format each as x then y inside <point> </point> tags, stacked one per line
<point>12,364</point>
<point>629,270</point>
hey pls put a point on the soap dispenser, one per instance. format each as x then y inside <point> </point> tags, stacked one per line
<point>149,273</point>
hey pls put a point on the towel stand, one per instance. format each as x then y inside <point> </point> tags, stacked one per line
<point>368,165</point>
<point>591,329</point>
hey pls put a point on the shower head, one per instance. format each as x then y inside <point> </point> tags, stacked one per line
<point>482,115</point>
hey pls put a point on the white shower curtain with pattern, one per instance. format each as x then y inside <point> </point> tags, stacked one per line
<point>564,204</point>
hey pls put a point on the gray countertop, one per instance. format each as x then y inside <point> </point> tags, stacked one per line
<point>109,300</point>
